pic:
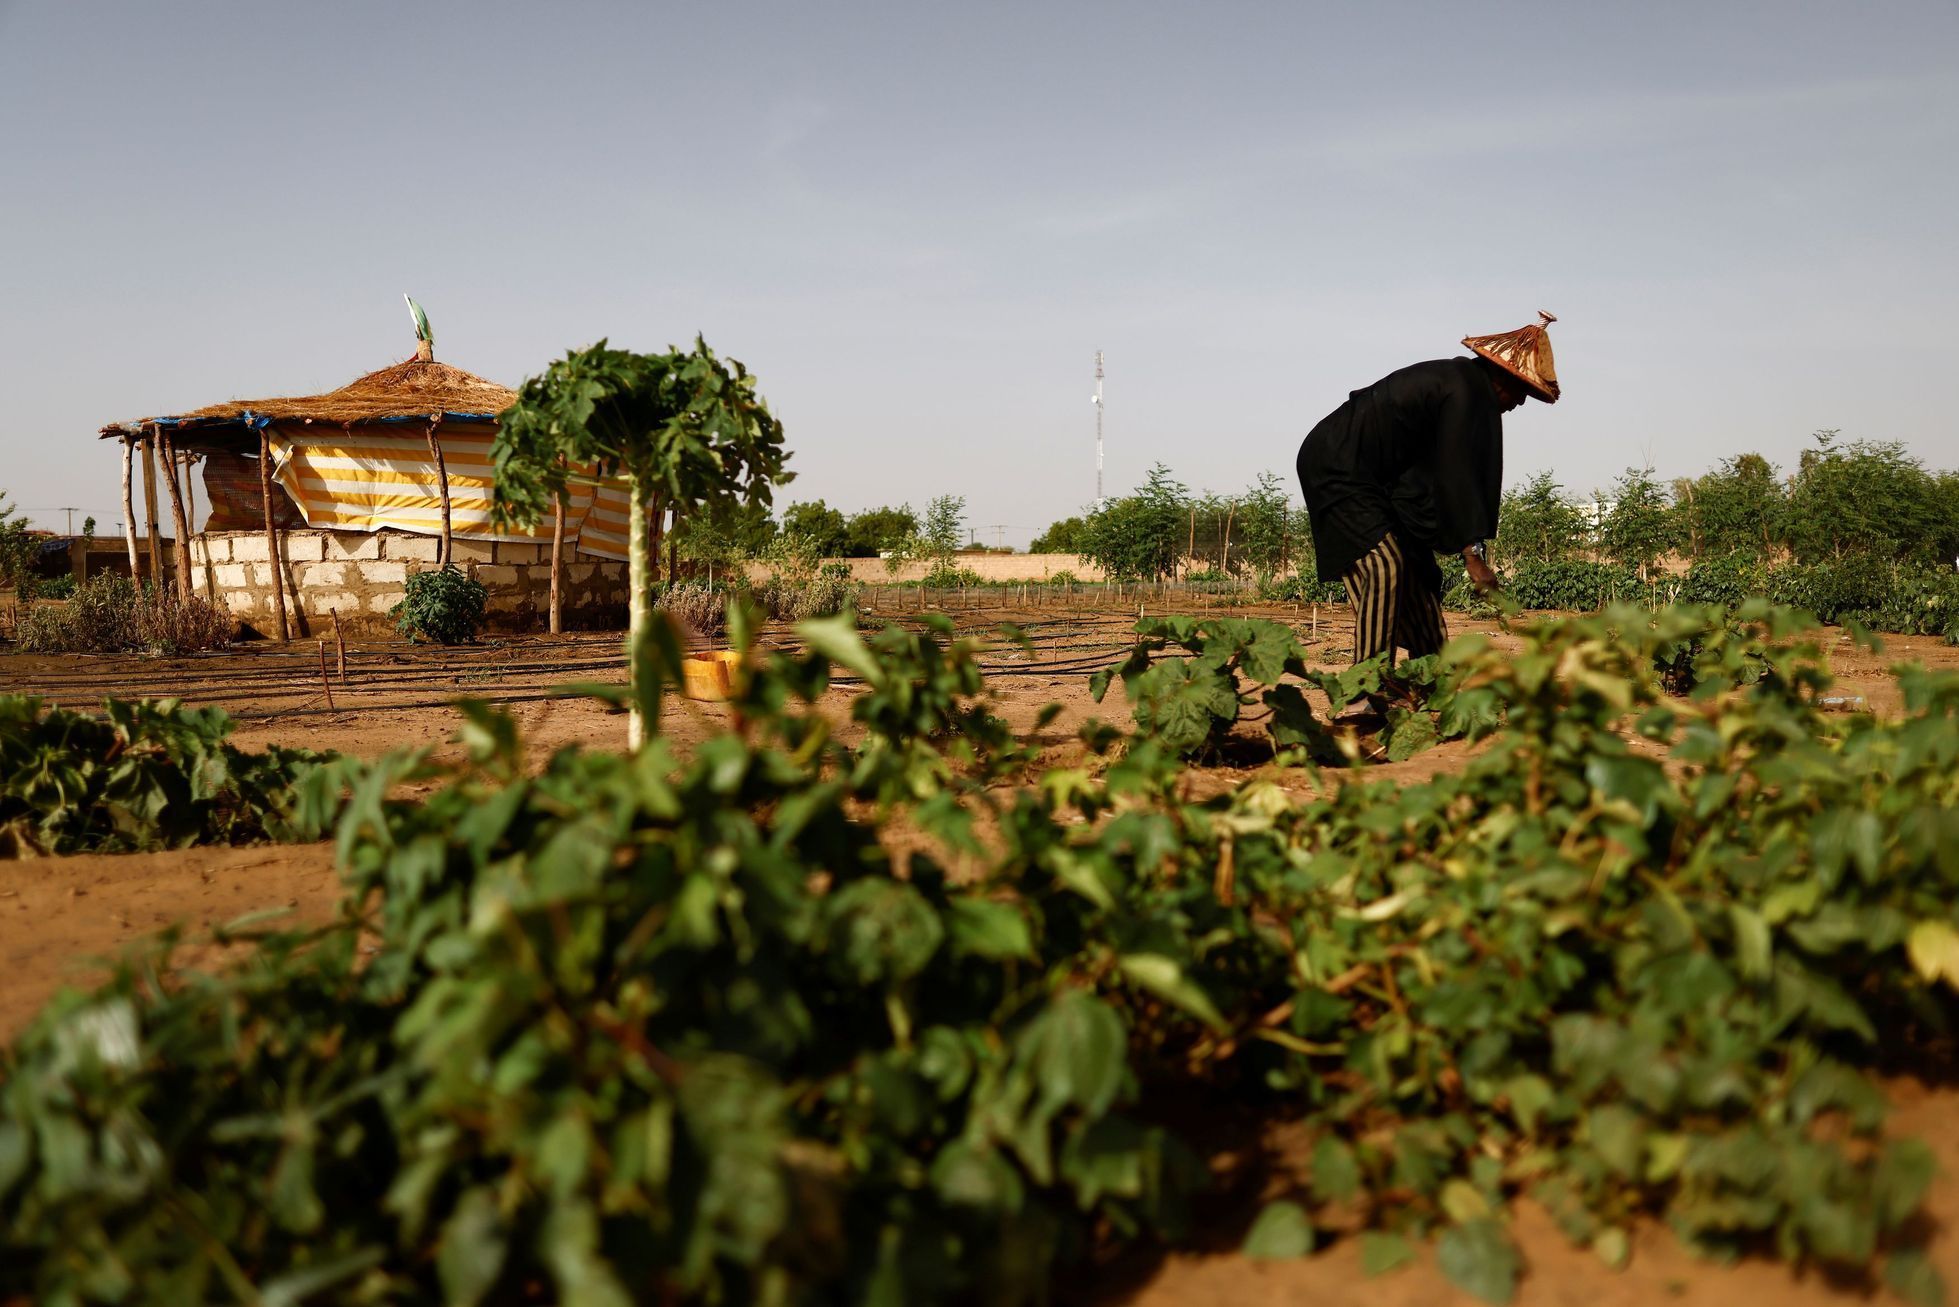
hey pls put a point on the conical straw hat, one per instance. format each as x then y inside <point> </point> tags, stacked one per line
<point>1524,353</point>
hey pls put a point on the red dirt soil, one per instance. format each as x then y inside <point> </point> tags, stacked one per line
<point>60,917</point>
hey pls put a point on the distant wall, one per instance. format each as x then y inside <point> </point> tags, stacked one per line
<point>991,567</point>
<point>362,576</point>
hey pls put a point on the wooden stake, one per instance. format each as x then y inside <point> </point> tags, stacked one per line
<point>149,506</point>
<point>180,520</point>
<point>129,504</point>
<point>325,684</point>
<point>272,536</point>
<point>441,484</point>
<point>339,644</point>
<point>558,564</point>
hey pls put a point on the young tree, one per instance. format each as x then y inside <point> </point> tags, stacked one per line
<point>1737,507</point>
<point>1143,534</point>
<point>724,535</point>
<point>1640,527</point>
<point>1539,523</point>
<point>685,429</point>
<point>1063,537</point>
<point>17,550</point>
<point>1259,531</point>
<point>945,523</point>
<point>822,528</point>
<point>875,530</point>
<point>1862,498</point>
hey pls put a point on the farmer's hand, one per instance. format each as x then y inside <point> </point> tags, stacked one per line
<point>1480,574</point>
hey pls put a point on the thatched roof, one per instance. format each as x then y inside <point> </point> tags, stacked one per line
<point>416,389</point>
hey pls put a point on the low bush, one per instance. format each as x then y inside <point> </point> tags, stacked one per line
<point>698,605</point>
<point>148,775</point>
<point>111,614</point>
<point>445,605</point>
<point>53,587</point>
<point>951,576</point>
<point>1300,588</point>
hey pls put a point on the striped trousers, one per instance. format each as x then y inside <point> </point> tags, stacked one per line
<point>1390,608</point>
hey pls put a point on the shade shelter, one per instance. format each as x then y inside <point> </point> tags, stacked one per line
<point>329,501</point>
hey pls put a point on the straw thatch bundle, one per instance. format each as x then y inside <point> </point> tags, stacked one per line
<point>417,388</point>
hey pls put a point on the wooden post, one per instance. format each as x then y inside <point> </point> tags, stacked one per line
<point>180,520</point>
<point>149,505</point>
<point>558,564</point>
<point>190,462</point>
<point>325,684</point>
<point>1225,565</point>
<point>129,504</point>
<point>339,645</point>
<point>441,484</point>
<point>656,516</point>
<point>272,536</point>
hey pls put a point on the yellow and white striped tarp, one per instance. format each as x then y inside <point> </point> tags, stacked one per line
<point>374,480</point>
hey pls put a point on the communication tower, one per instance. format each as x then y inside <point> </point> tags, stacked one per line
<point>1098,427</point>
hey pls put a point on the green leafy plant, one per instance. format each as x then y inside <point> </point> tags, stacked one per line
<point>444,604</point>
<point>1190,703</point>
<point>148,775</point>
<point>685,429</point>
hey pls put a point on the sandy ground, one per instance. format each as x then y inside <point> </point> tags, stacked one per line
<point>61,917</point>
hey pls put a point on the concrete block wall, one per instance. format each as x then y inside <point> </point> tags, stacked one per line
<point>361,575</point>
<point>991,567</point>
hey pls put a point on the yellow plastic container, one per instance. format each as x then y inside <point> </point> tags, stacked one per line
<point>709,675</point>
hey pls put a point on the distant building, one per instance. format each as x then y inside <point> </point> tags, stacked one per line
<point>368,483</point>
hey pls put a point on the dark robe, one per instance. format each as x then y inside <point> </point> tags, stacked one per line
<point>1418,453</point>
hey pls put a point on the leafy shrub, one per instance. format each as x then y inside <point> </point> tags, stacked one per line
<point>111,614</point>
<point>444,605</point>
<point>792,599</point>
<point>147,775</point>
<point>1208,576</point>
<point>1064,577</point>
<point>54,587</point>
<point>951,576</point>
<point>1190,702</point>
<point>1300,588</point>
<point>700,606</point>
<point>1726,580</point>
<point>1572,585</point>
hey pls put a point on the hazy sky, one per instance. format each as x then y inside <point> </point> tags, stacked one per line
<point>917,222</point>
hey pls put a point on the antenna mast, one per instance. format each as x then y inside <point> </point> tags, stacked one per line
<point>1098,428</point>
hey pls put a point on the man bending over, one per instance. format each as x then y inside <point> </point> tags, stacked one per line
<point>1410,467</point>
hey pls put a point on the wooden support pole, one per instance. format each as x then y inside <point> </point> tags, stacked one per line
<point>339,645</point>
<point>1225,566</point>
<point>179,519</point>
<point>558,564</point>
<point>272,536</point>
<point>149,505</point>
<point>129,504</point>
<point>441,485</point>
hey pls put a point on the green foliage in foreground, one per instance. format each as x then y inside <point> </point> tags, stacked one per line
<point>444,605</point>
<point>645,1029</point>
<point>145,776</point>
